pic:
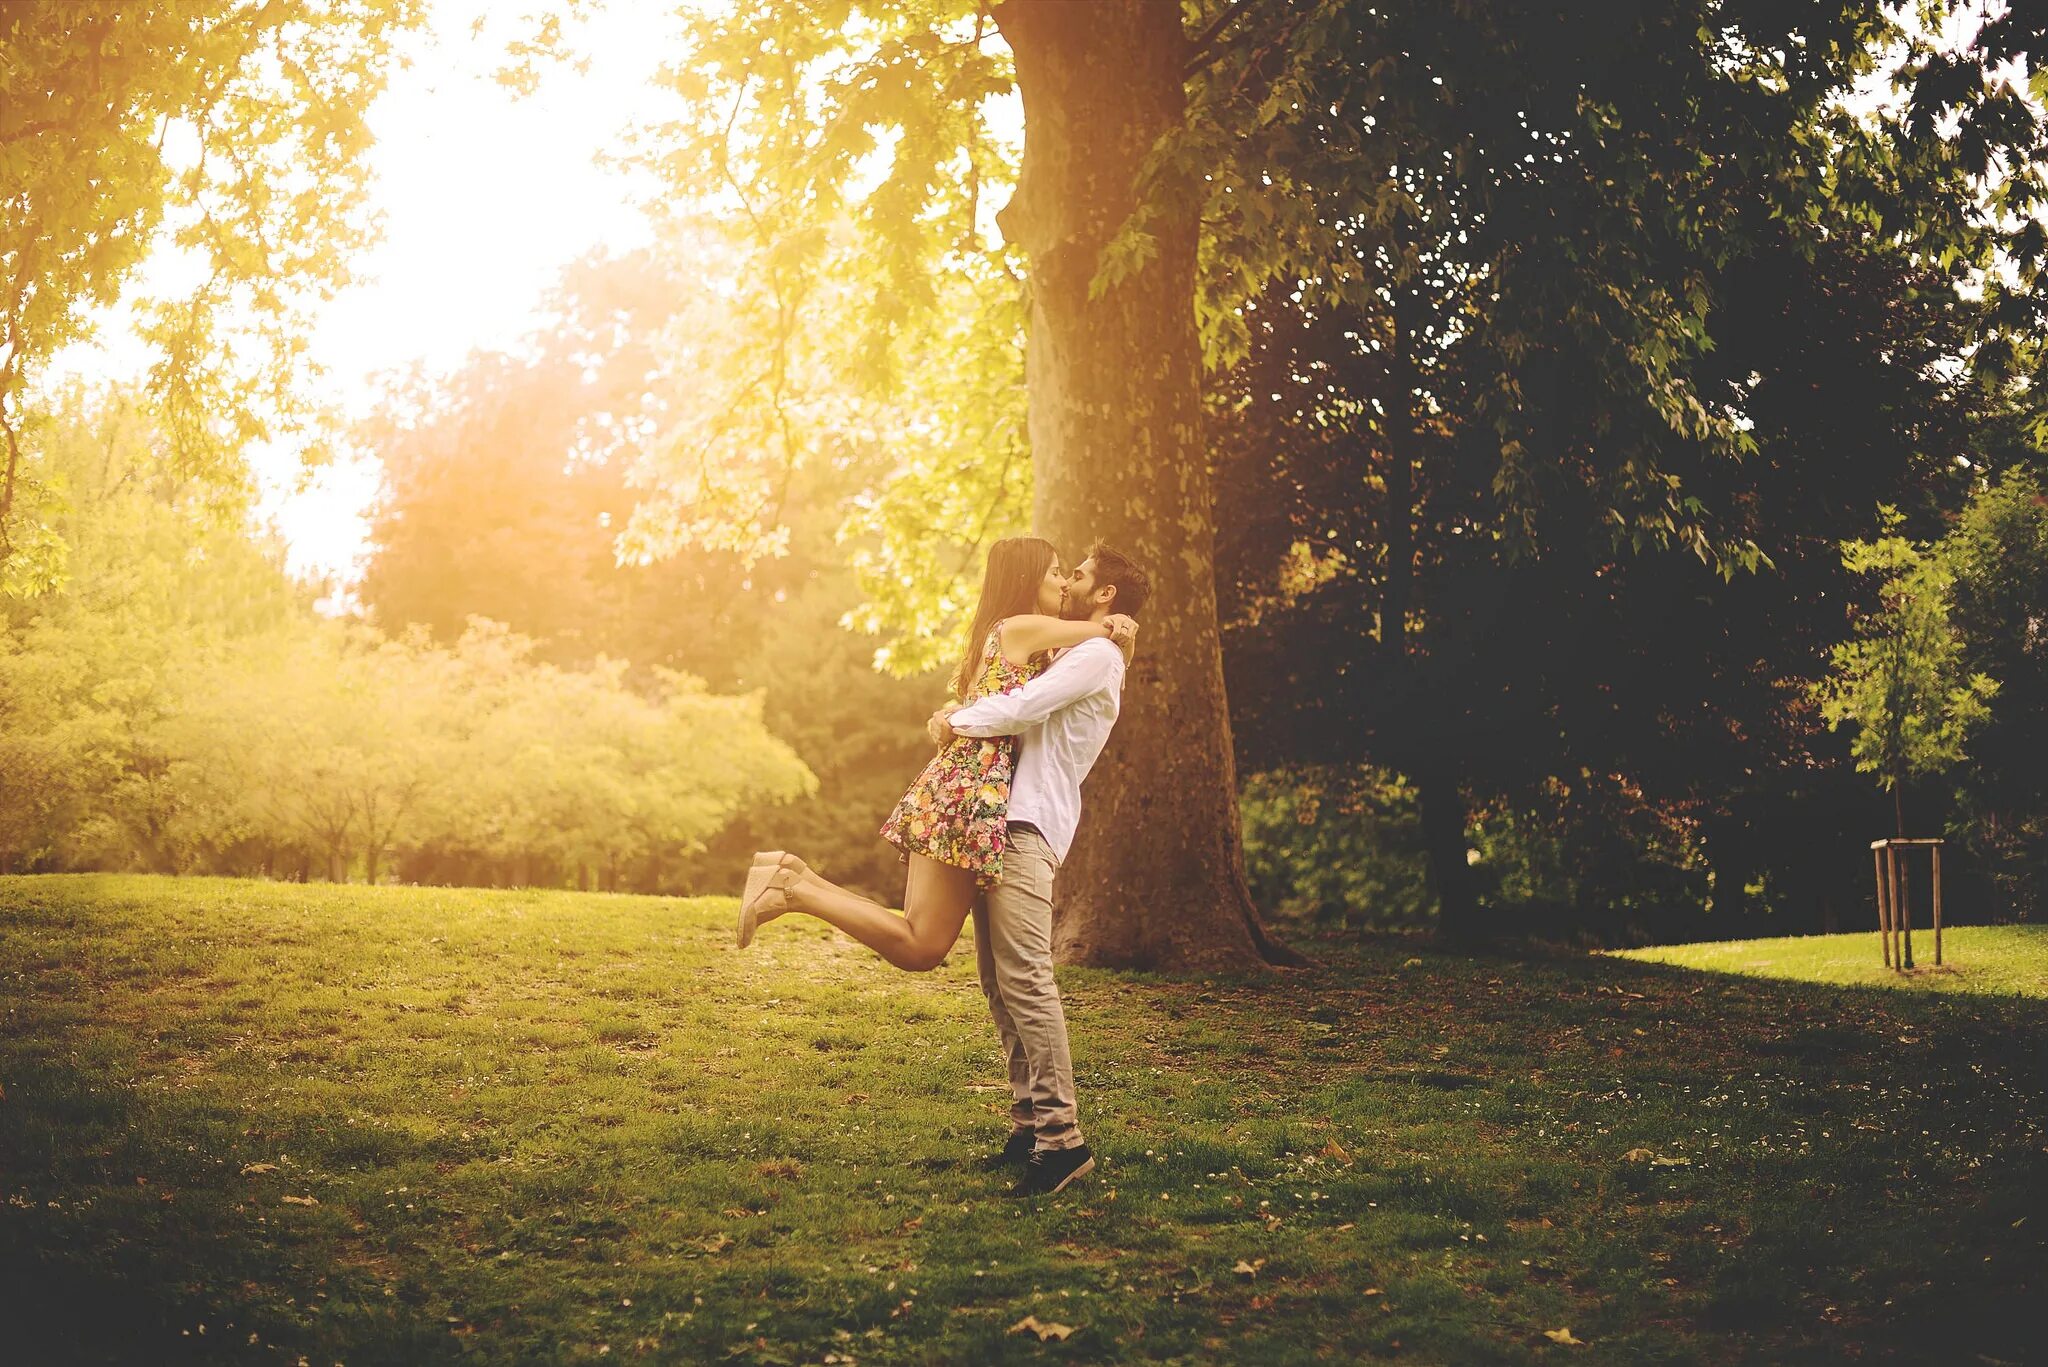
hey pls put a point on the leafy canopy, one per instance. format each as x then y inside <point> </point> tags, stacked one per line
<point>227,135</point>
<point>1903,682</point>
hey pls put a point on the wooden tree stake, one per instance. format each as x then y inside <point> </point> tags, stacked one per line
<point>1880,856</point>
<point>1895,898</point>
<point>1937,906</point>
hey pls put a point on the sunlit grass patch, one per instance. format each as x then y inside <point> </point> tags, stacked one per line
<point>1991,959</point>
<point>549,1127</point>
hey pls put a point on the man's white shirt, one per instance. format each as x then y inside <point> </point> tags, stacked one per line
<point>1062,719</point>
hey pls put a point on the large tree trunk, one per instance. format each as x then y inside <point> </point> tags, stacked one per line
<point>1156,877</point>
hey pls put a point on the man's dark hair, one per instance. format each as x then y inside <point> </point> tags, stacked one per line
<point>1118,571</point>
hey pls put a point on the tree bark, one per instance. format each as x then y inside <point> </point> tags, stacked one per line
<point>1156,876</point>
<point>1443,838</point>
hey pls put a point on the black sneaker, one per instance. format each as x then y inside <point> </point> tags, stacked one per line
<point>1015,1153</point>
<point>1051,1170</point>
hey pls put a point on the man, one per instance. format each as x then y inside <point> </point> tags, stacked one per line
<point>1062,719</point>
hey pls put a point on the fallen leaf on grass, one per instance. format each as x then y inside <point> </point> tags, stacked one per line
<point>249,1168</point>
<point>1336,1152</point>
<point>299,1200</point>
<point>1245,1269</point>
<point>1655,1159</point>
<point>718,1243</point>
<point>1412,963</point>
<point>1563,1336</point>
<point>1372,1291</point>
<point>1030,1324</point>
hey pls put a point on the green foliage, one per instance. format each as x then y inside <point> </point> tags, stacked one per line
<point>504,485</point>
<point>1552,202</point>
<point>1554,344</point>
<point>1563,200</point>
<point>1998,553</point>
<point>179,707</point>
<point>90,674</point>
<point>1335,849</point>
<point>1589,858</point>
<point>227,133</point>
<point>845,157</point>
<point>1903,682</point>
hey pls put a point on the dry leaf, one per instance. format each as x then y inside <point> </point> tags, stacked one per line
<point>248,1168</point>
<point>1660,1161</point>
<point>1336,1152</point>
<point>1372,1291</point>
<point>1245,1269</point>
<point>299,1200</point>
<point>1638,1155</point>
<point>1563,1336</point>
<point>717,1243</point>
<point>1030,1325</point>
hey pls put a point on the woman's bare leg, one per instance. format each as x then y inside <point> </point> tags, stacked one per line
<point>935,905</point>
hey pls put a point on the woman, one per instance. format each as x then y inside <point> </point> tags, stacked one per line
<point>952,824</point>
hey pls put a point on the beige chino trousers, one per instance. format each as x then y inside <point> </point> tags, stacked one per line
<point>1013,949</point>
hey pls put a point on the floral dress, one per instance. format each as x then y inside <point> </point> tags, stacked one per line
<point>957,811</point>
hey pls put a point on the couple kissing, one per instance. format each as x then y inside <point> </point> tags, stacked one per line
<point>985,826</point>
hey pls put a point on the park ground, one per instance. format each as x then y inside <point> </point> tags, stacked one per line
<point>275,1123</point>
<point>1975,959</point>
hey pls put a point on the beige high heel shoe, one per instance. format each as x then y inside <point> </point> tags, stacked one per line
<point>782,858</point>
<point>763,880</point>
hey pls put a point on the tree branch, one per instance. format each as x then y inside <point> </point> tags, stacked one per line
<point>1198,47</point>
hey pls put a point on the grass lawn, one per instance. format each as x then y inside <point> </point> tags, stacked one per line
<point>1996,959</point>
<point>271,1123</point>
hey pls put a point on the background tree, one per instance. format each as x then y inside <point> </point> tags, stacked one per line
<point>1524,312</point>
<point>227,131</point>
<point>507,483</point>
<point>1998,553</point>
<point>1903,682</point>
<point>177,706</point>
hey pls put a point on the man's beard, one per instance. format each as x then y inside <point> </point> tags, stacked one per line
<point>1071,608</point>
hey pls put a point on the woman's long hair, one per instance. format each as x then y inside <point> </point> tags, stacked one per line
<point>1016,567</point>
